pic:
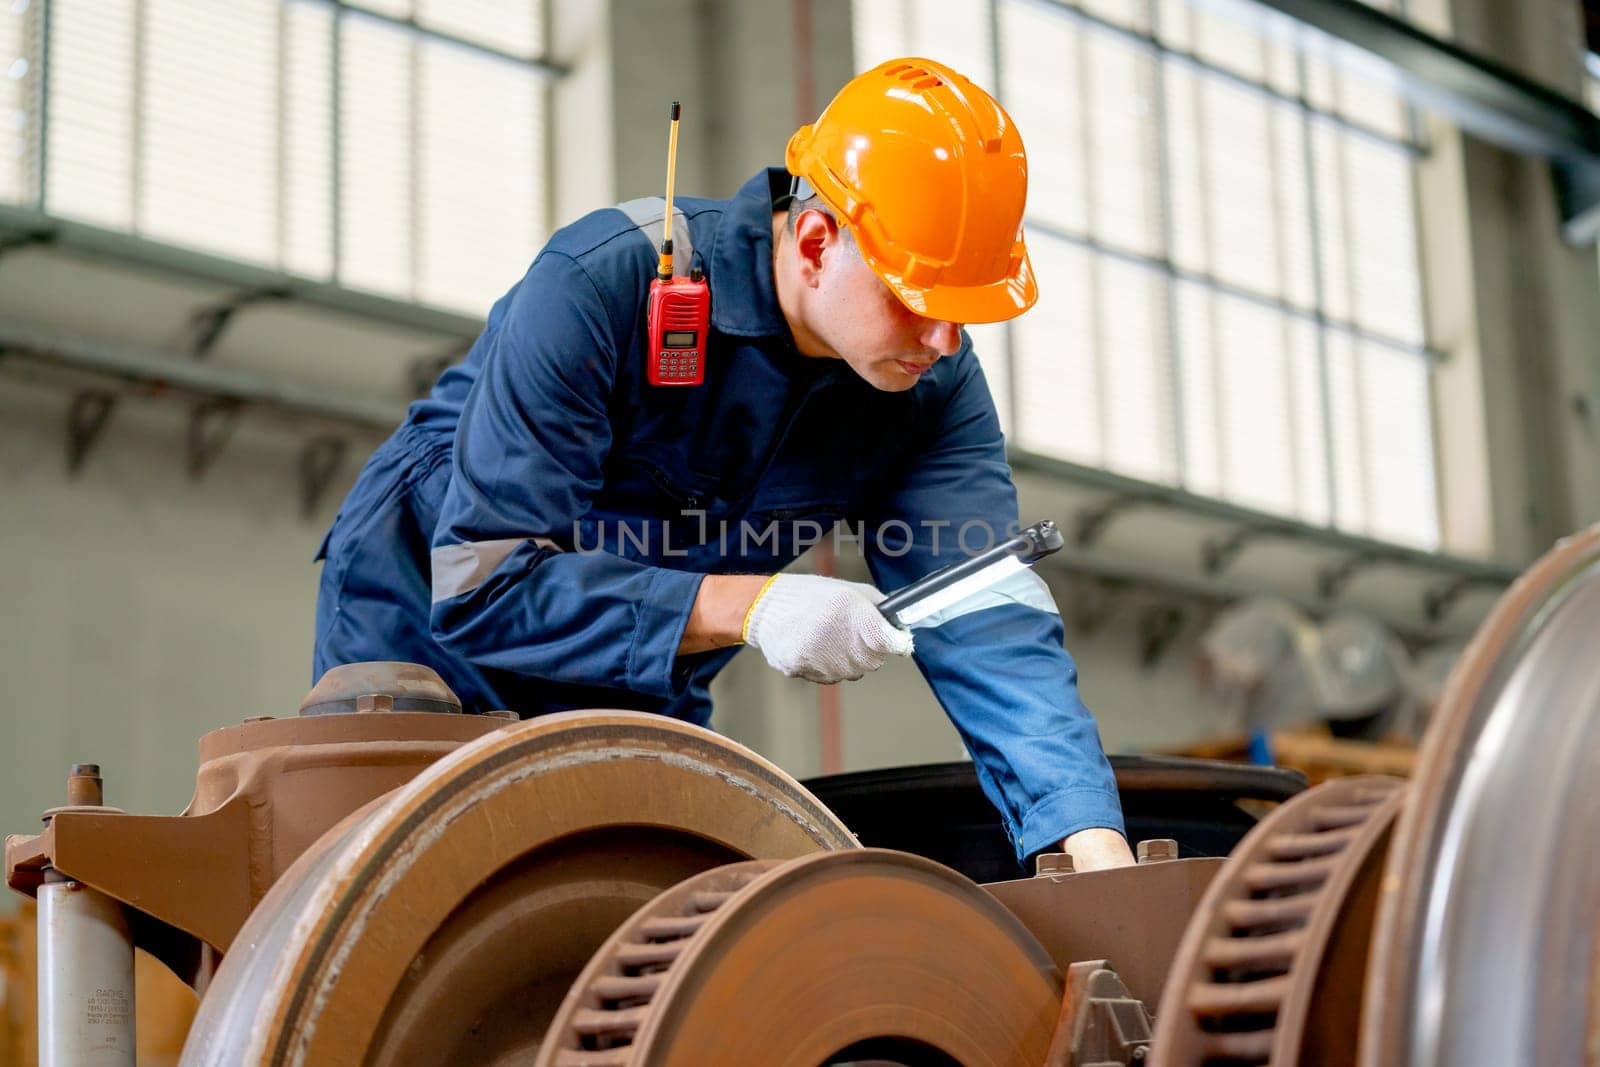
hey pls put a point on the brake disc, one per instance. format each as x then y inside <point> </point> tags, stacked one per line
<point>445,922</point>
<point>1270,969</point>
<point>867,955</point>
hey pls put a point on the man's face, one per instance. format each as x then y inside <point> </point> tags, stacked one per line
<point>857,316</point>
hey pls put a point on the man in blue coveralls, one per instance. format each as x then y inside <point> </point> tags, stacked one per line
<point>549,531</point>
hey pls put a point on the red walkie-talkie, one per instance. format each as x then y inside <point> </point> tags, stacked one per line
<point>679,318</point>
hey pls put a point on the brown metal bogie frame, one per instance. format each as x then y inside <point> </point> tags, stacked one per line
<point>265,791</point>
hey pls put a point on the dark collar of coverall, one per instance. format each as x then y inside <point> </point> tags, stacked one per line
<point>744,293</point>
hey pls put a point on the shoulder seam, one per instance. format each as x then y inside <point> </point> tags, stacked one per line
<point>599,295</point>
<point>630,228</point>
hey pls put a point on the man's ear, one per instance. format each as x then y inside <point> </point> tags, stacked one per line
<point>814,231</point>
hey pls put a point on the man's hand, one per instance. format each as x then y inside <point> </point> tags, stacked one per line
<point>1096,849</point>
<point>822,629</point>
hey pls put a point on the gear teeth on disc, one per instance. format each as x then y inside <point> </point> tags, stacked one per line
<point>617,1000</point>
<point>1268,912</point>
<point>720,969</point>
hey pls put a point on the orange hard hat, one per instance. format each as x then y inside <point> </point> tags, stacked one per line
<point>929,174</point>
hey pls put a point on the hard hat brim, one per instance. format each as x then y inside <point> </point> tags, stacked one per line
<point>971,304</point>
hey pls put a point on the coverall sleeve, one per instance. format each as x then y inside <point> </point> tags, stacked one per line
<point>1001,673</point>
<point>510,589</point>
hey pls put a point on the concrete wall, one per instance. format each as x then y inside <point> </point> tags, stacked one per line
<point>1517,310</point>
<point>733,68</point>
<point>142,609</point>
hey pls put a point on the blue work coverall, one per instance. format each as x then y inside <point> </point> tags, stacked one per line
<point>537,529</point>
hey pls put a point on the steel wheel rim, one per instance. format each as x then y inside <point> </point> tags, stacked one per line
<point>1487,936</point>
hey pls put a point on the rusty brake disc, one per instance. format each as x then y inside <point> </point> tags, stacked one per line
<point>1270,968</point>
<point>867,955</point>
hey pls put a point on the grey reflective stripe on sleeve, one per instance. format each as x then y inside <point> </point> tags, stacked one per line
<point>647,213</point>
<point>1025,588</point>
<point>459,569</point>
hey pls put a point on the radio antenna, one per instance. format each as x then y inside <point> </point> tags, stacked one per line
<point>664,265</point>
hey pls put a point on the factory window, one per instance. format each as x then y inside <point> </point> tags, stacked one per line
<point>1223,226</point>
<point>392,146</point>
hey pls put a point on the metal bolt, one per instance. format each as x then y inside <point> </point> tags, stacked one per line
<point>85,788</point>
<point>1156,849</point>
<point>508,716</point>
<point>375,702</point>
<point>1052,864</point>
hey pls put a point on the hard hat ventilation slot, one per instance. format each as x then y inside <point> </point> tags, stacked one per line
<point>920,76</point>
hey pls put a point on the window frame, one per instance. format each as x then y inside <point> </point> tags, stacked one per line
<point>1150,40</point>
<point>34,187</point>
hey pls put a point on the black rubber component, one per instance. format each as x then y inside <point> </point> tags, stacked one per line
<point>939,811</point>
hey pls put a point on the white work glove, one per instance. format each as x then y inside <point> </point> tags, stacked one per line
<point>822,629</point>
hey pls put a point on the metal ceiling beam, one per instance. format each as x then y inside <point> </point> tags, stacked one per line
<point>202,379</point>
<point>1484,98</point>
<point>1144,494</point>
<point>33,227</point>
<point>1220,590</point>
